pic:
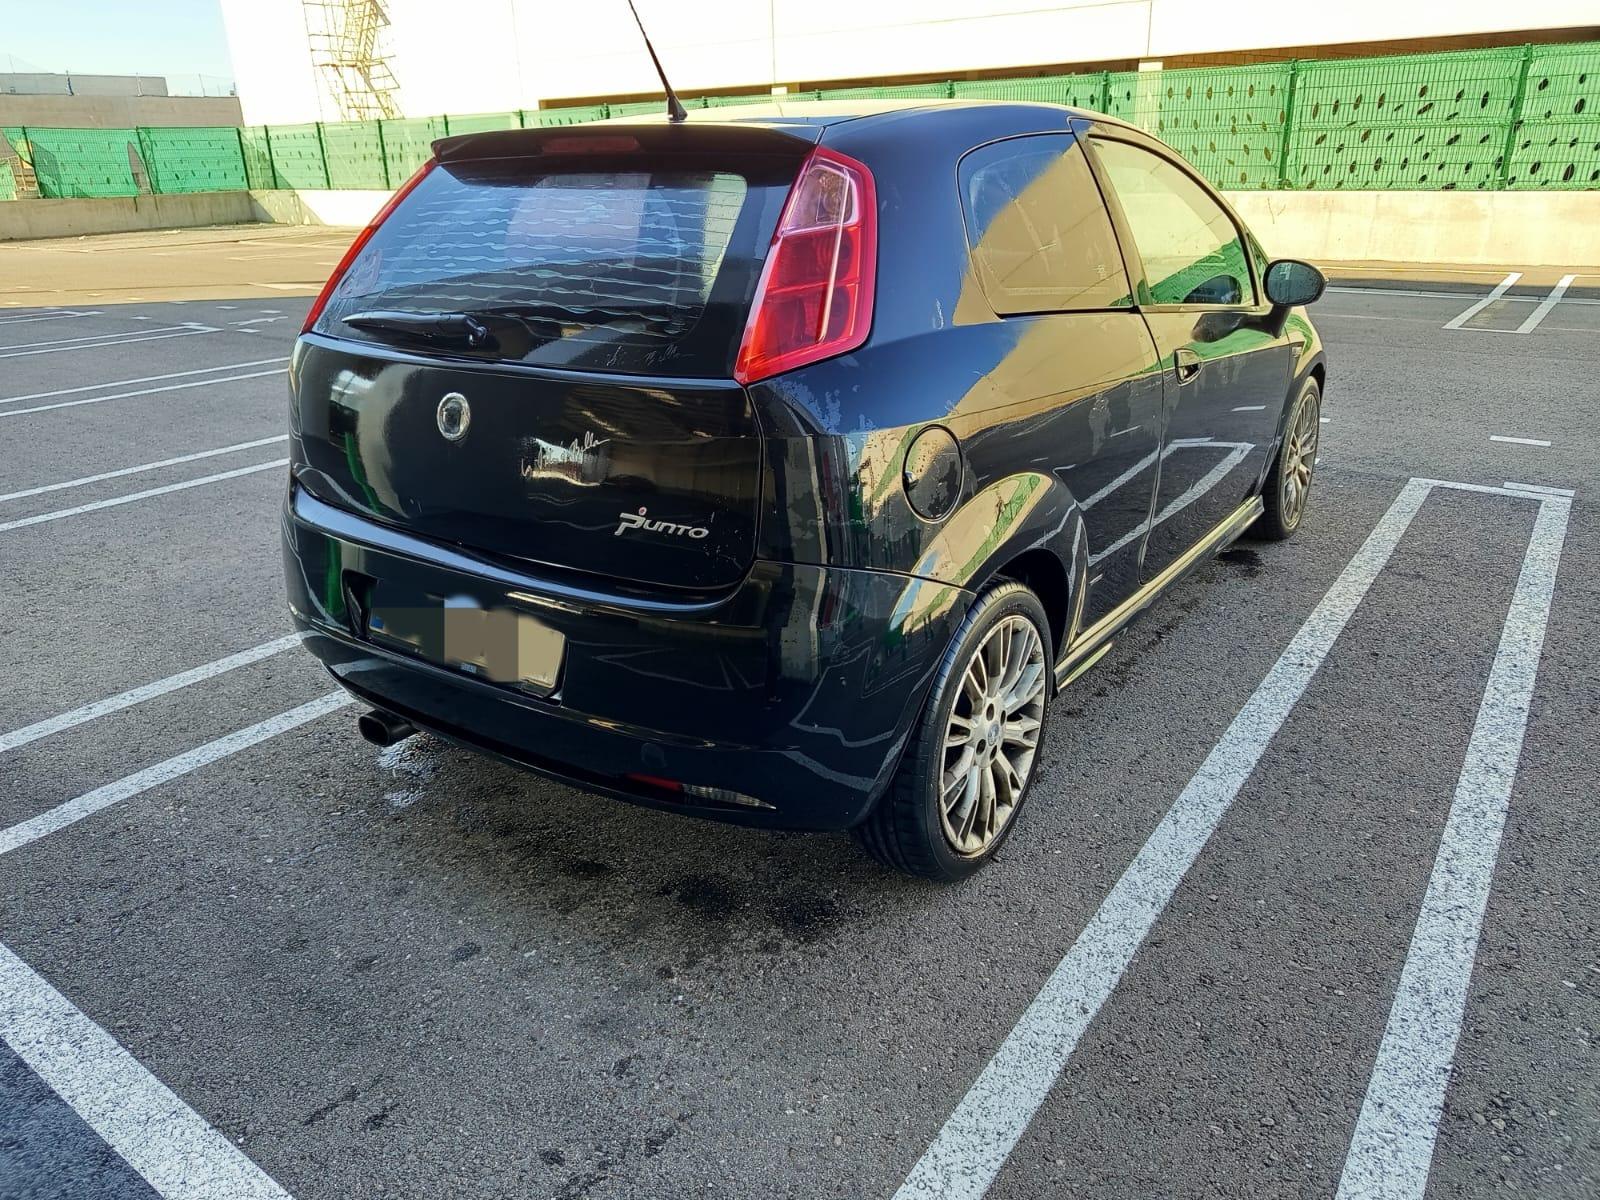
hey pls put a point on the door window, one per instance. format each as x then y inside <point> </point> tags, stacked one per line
<point>1040,235</point>
<point>1192,251</point>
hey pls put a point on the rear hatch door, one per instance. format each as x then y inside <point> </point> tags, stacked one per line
<point>532,356</point>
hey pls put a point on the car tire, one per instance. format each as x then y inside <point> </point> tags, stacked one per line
<point>1287,489</point>
<point>917,827</point>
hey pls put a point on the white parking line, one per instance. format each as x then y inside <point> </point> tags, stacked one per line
<point>968,1152</point>
<point>116,383</point>
<point>66,346</point>
<point>1382,291</point>
<point>1391,1152</point>
<point>96,337</point>
<point>1500,289</point>
<point>1518,441</point>
<point>171,387</point>
<point>128,786</point>
<point>149,466</point>
<point>54,315</point>
<point>1538,489</point>
<point>133,497</point>
<point>1545,305</point>
<point>179,1155</point>
<point>148,691</point>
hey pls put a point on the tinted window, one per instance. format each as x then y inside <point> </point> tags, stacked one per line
<point>1041,240</point>
<point>629,269</point>
<point>1191,250</point>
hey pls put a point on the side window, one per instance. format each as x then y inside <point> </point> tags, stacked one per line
<point>1191,250</point>
<point>1040,236</point>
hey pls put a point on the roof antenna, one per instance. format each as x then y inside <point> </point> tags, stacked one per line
<point>675,109</point>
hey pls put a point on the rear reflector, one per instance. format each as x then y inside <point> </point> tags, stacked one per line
<point>362,239</point>
<point>716,795</point>
<point>815,296</point>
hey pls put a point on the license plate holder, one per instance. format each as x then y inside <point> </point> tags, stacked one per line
<point>502,645</point>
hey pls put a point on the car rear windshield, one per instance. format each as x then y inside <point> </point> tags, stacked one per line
<point>615,264</point>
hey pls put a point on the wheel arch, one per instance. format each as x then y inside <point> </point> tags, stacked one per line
<point>1026,527</point>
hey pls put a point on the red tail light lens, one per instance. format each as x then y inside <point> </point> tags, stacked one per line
<point>362,238</point>
<point>814,299</point>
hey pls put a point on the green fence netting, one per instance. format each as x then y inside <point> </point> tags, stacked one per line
<point>8,182</point>
<point>256,145</point>
<point>575,115</point>
<point>1519,117</point>
<point>298,159</point>
<point>1419,121</point>
<point>483,123</point>
<point>200,159</point>
<point>87,162</point>
<point>902,91</point>
<point>1079,91</point>
<point>407,145</point>
<point>727,101</point>
<point>1556,143</point>
<point>354,152</point>
<point>1229,121</point>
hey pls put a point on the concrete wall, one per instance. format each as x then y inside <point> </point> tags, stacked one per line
<point>1512,229</point>
<point>349,208</point>
<point>26,219</point>
<point>492,55</point>
<point>119,112</point>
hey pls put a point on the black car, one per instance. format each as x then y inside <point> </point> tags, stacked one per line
<point>779,466</point>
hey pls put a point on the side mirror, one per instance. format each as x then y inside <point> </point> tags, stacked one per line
<point>1291,283</point>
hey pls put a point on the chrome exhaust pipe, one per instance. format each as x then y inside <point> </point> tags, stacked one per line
<point>384,729</point>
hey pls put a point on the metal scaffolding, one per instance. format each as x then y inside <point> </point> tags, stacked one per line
<point>344,38</point>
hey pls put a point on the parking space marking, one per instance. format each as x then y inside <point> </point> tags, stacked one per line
<point>1383,291</point>
<point>97,337</point>
<point>79,510</point>
<point>1538,489</point>
<point>1500,289</point>
<point>1545,305</point>
<point>65,346</point>
<point>969,1151</point>
<point>116,383</point>
<point>171,387</point>
<point>1518,441</point>
<point>101,798</point>
<point>147,691</point>
<point>53,315</point>
<point>179,1155</point>
<point>1391,1153</point>
<point>149,466</point>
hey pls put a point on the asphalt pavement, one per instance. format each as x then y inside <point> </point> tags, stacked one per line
<point>1231,950</point>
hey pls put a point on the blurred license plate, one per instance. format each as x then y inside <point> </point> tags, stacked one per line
<point>498,644</point>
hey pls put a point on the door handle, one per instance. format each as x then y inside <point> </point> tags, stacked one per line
<point>1185,364</point>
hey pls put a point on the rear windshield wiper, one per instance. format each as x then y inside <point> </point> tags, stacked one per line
<point>454,327</point>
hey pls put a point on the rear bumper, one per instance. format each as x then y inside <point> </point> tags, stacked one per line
<point>797,688</point>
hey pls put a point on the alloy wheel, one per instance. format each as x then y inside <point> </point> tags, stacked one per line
<point>1299,460</point>
<point>993,735</point>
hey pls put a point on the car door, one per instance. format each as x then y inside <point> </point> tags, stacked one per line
<point>1080,387</point>
<point>1227,375</point>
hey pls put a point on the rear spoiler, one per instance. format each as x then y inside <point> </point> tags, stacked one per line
<point>651,137</point>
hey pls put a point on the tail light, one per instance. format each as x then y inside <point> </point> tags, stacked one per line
<point>814,299</point>
<point>362,238</point>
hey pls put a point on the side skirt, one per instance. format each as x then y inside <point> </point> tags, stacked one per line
<point>1094,641</point>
